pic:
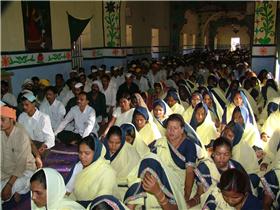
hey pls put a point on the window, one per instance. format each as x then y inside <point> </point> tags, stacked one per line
<point>193,41</point>
<point>235,42</point>
<point>185,41</point>
<point>215,43</point>
<point>129,35</point>
<point>155,43</point>
<point>277,70</point>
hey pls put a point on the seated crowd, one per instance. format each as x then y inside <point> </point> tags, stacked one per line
<point>199,131</point>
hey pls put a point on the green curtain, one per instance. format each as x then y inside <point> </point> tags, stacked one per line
<point>76,26</point>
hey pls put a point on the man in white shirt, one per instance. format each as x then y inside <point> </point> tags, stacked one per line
<point>37,124</point>
<point>53,107</point>
<point>141,81</point>
<point>84,119</point>
<point>110,91</point>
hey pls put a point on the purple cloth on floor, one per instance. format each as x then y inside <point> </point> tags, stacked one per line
<point>62,158</point>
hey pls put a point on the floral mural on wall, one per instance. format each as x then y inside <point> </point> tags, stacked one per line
<point>111,23</point>
<point>33,59</point>
<point>265,17</point>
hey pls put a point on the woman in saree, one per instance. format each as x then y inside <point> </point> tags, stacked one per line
<point>272,152</point>
<point>209,170</point>
<point>204,127</point>
<point>147,129</point>
<point>214,107</point>
<point>251,134</point>
<point>233,193</point>
<point>271,187</point>
<point>92,175</point>
<point>123,157</point>
<point>161,112</point>
<point>132,137</point>
<point>137,100</point>
<point>269,92</point>
<point>180,151</point>
<point>153,186</point>
<point>195,99</point>
<point>122,114</point>
<point>159,92</point>
<point>185,94</point>
<point>48,191</point>
<point>272,122</point>
<point>237,98</point>
<point>242,152</point>
<point>106,202</point>
<point>267,110</point>
<point>173,101</point>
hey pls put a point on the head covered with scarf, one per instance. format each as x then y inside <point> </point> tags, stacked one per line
<point>117,131</point>
<point>194,123</point>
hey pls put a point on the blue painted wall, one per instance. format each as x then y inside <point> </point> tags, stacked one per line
<point>259,63</point>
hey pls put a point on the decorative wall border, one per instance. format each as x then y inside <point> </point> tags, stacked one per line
<point>32,59</point>
<point>264,50</point>
<point>21,59</point>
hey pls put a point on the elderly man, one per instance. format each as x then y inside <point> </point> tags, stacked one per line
<point>37,124</point>
<point>17,161</point>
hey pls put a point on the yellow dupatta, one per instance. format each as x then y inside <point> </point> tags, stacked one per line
<point>167,113</point>
<point>218,108</point>
<point>221,94</point>
<point>252,136</point>
<point>187,115</point>
<point>246,156</point>
<point>221,204</point>
<point>56,193</point>
<point>149,133</point>
<point>164,154</point>
<point>178,108</point>
<point>272,157</point>
<point>207,131</point>
<point>271,124</point>
<point>138,143</point>
<point>160,127</point>
<point>214,173</point>
<point>97,179</point>
<point>151,202</point>
<point>123,163</point>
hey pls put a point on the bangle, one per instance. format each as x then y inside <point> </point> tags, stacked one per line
<point>196,200</point>
<point>163,204</point>
<point>162,198</point>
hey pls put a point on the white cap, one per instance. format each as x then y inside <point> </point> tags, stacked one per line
<point>224,65</point>
<point>28,81</point>
<point>78,85</point>
<point>73,71</point>
<point>107,72</point>
<point>116,68</point>
<point>133,65</point>
<point>82,73</point>
<point>93,70</point>
<point>127,75</point>
<point>100,69</point>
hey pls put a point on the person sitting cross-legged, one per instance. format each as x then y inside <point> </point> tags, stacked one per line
<point>84,122</point>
